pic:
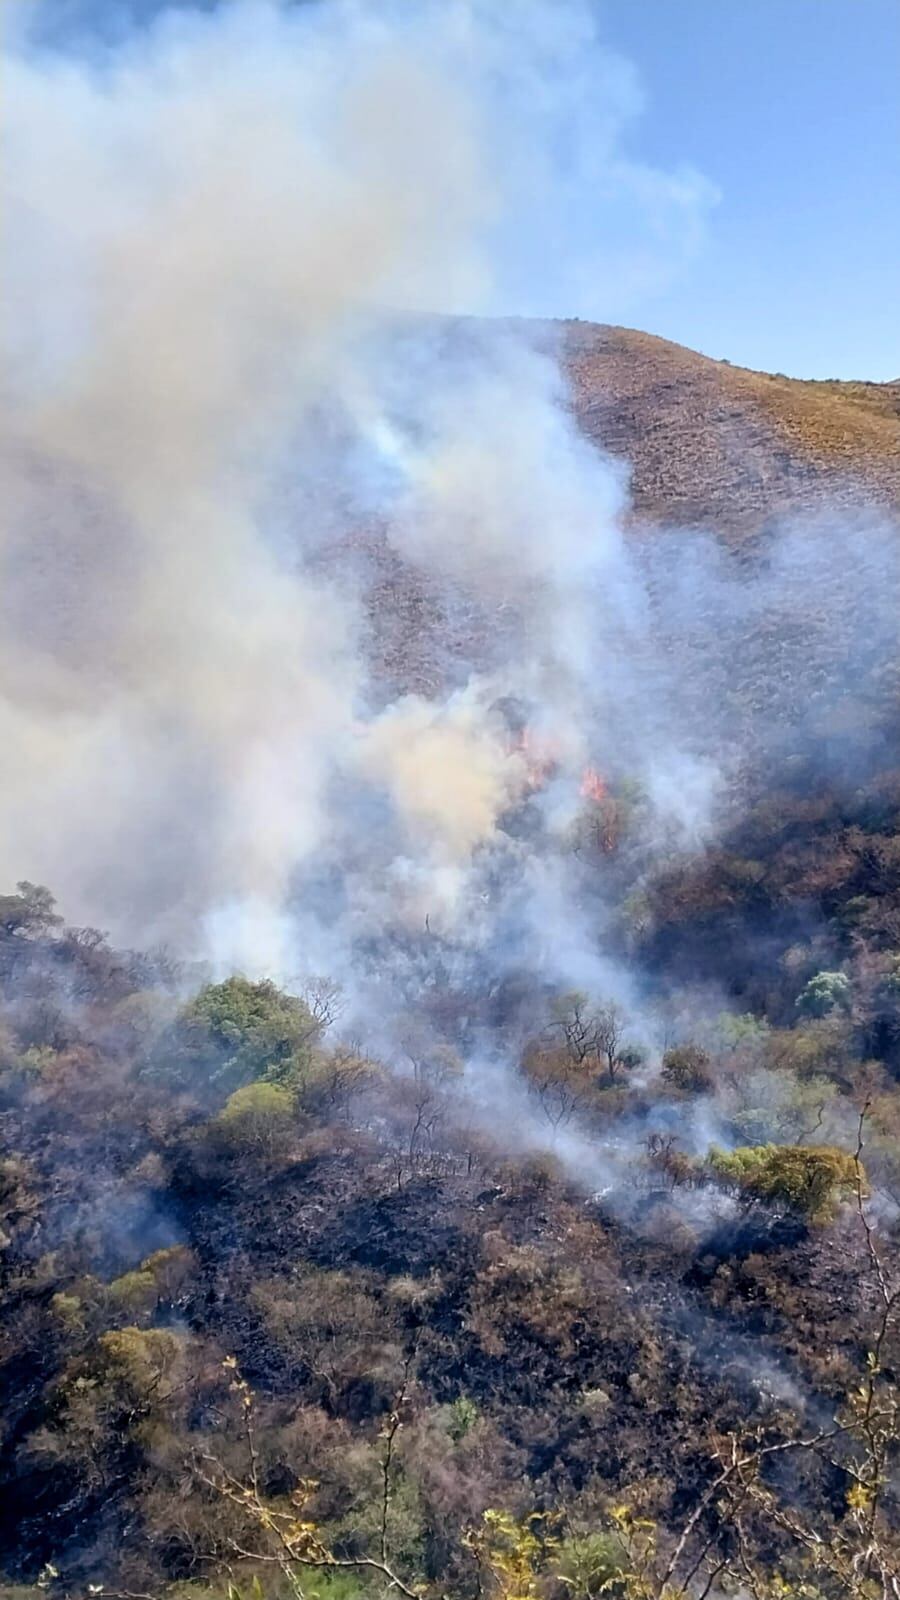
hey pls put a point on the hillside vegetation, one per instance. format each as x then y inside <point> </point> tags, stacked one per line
<point>558,1297</point>
<point>718,446</point>
<point>279,1313</point>
<point>708,448</point>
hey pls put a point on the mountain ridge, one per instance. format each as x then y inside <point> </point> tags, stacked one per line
<point>720,446</point>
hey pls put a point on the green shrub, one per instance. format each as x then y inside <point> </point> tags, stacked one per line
<point>238,1031</point>
<point>826,992</point>
<point>69,1309</point>
<point>463,1415</point>
<point>810,1180</point>
<point>258,1120</point>
<point>135,1293</point>
<point>172,1270</point>
<point>593,1565</point>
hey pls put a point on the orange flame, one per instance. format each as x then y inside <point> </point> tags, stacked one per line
<point>593,786</point>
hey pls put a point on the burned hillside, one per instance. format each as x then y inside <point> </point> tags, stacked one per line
<point>449,841</point>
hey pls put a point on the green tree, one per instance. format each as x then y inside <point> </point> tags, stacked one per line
<point>810,1180</point>
<point>238,1031</point>
<point>826,992</point>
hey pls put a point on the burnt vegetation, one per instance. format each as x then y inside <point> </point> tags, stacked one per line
<point>283,1317</point>
<point>286,1314</point>
<point>557,1255</point>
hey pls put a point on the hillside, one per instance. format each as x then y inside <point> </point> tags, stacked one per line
<point>707,446</point>
<point>450,819</point>
<point>537,1248</point>
<point>721,447</point>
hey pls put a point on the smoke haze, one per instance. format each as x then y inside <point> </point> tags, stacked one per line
<point>223,375</point>
<point>212,232</point>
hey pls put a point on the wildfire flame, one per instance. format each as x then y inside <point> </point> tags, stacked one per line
<point>541,755</point>
<point>593,786</point>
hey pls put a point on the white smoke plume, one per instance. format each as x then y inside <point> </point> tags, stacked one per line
<point>224,233</point>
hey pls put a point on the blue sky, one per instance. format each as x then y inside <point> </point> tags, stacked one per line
<point>792,109</point>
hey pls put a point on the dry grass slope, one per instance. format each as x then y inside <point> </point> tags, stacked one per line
<point>725,448</point>
<point>708,446</point>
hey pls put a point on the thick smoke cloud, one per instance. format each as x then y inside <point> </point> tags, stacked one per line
<point>252,424</point>
<point>225,231</point>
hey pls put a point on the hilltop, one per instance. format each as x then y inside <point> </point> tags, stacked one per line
<point>719,446</point>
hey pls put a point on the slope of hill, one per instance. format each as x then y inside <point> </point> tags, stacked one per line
<point>707,446</point>
<point>518,1292</point>
<point>722,447</point>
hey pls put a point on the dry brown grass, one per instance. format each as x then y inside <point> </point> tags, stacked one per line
<point>721,446</point>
